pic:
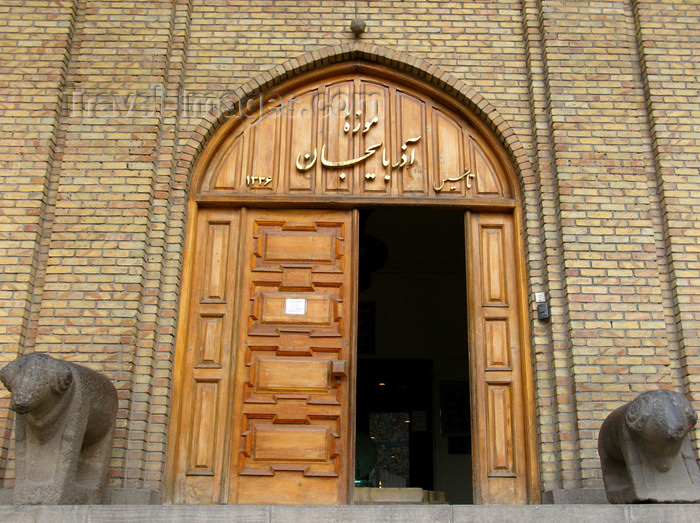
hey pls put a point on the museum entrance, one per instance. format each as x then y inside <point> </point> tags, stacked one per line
<point>412,407</point>
<point>290,320</point>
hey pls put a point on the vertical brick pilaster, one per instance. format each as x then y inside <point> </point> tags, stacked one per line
<point>94,289</point>
<point>37,38</point>
<point>154,356</point>
<point>614,308</point>
<point>667,37</point>
<point>554,392</point>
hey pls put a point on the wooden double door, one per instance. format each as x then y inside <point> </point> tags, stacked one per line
<point>264,400</point>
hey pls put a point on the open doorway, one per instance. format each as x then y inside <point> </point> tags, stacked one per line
<point>412,411</point>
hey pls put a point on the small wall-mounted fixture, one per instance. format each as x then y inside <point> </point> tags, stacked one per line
<point>358,26</point>
<point>542,306</point>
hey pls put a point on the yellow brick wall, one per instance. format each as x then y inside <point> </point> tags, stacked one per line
<point>598,103</point>
<point>668,38</point>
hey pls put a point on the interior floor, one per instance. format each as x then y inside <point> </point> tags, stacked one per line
<point>412,411</point>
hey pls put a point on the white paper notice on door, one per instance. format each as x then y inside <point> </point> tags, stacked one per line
<point>295,306</point>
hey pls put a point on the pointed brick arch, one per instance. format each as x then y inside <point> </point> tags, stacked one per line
<point>417,68</point>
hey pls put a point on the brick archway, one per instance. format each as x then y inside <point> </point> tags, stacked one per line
<point>228,189</point>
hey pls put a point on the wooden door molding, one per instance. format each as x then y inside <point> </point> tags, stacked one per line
<point>264,403</point>
<point>501,405</point>
<point>201,404</point>
<point>291,428</point>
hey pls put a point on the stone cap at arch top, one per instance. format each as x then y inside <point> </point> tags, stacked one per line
<point>417,73</point>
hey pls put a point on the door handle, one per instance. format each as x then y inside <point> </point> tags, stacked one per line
<point>339,368</point>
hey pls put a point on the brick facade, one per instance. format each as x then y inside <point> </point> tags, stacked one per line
<point>102,118</point>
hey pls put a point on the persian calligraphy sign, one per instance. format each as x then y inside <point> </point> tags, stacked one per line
<point>352,135</point>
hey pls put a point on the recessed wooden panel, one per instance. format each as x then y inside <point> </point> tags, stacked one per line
<point>289,246</point>
<point>274,309</point>
<point>487,183</point>
<point>497,343</point>
<point>263,156</point>
<point>297,279</point>
<point>336,109</point>
<point>229,169</point>
<point>210,340</point>
<point>303,132</point>
<point>294,370</point>
<point>256,490</point>
<point>448,154</point>
<point>292,374</point>
<point>203,445</point>
<point>217,251</point>
<point>500,429</point>
<point>493,279</point>
<point>281,443</point>
<point>370,129</point>
<point>411,134</point>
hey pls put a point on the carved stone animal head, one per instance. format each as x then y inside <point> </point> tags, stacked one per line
<point>36,382</point>
<point>659,420</point>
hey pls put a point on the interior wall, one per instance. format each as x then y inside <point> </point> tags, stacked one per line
<point>425,267</point>
<point>453,472</point>
<point>420,312</point>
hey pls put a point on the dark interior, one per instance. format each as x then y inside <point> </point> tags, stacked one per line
<point>412,408</point>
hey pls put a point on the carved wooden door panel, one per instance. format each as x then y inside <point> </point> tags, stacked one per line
<point>291,439</point>
<point>499,439</point>
<point>203,398</point>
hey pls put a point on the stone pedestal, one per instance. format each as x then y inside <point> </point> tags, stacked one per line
<point>371,496</point>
